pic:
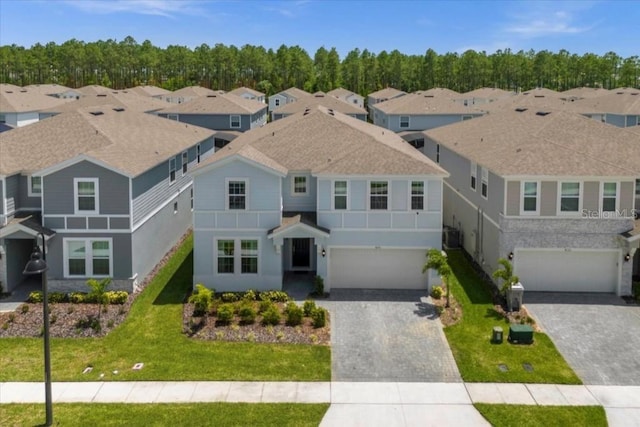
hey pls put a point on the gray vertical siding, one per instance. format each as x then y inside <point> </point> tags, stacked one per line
<point>214,121</point>
<point>627,196</point>
<point>616,120</point>
<point>513,198</point>
<point>591,196</point>
<point>17,253</point>
<point>58,190</point>
<point>2,181</point>
<point>26,202</point>
<point>302,203</point>
<point>548,198</point>
<point>13,193</point>
<point>324,194</point>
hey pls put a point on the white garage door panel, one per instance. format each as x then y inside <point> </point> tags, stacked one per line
<point>567,271</point>
<point>377,268</point>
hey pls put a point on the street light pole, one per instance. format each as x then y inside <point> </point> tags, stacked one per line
<point>38,265</point>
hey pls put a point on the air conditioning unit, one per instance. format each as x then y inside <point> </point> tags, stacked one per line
<point>450,237</point>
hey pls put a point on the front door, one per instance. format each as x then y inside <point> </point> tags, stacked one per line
<point>300,253</point>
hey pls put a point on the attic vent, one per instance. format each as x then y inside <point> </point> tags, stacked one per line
<point>428,96</point>
<point>212,96</point>
<point>634,93</point>
<point>521,110</point>
<point>542,113</point>
<point>319,95</point>
<point>306,111</point>
<point>102,95</point>
<point>538,96</point>
<point>118,109</point>
<point>619,93</point>
<point>9,91</point>
<point>96,113</point>
<point>23,91</point>
<point>331,112</point>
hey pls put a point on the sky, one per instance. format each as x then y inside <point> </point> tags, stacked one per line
<point>412,27</point>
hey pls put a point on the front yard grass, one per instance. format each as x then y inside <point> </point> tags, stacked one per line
<point>548,416</point>
<point>152,334</point>
<point>165,414</point>
<point>477,358</point>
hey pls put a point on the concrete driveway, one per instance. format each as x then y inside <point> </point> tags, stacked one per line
<point>598,334</point>
<point>383,336</point>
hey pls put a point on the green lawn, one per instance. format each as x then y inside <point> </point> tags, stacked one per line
<point>548,416</point>
<point>152,334</point>
<point>470,340</point>
<point>164,414</point>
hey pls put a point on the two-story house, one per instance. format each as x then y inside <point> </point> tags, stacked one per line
<point>109,188</point>
<point>117,99</point>
<point>248,93</point>
<point>150,91</point>
<point>316,191</point>
<point>189,93</point>
<point>552,191</point>
<point>319,98</point>
<point>483,96</point>
<point>286,97</point>
<point>55,90</point>
<point>347,96</point>
<point>20,107</point>
<point>619,108</point>
<point>383,95</point>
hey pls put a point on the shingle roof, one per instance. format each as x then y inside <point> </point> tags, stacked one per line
<point>127,100</point>
<point>128,141</point>
<point>617,102</point>
<point>48,89</point>
<point>487,93</point>
<point>583,92</point>
<point>319,98</point>
<point>294,92</point>
<point>543,91</point>
<point>424,103</point>
<point>561,143</point>
<point>94,89</point>
<point>328,143</point>
<point>216,104</point>
<point>341,93</point>
<point>149,90</point>
<point>538,102</point>
<point>439,92</point>
<point>25,100</point>
<point>386,93</point>
<point>239,91</point>
<point>194,91</point>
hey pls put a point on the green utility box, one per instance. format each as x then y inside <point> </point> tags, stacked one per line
<point>521,334</point>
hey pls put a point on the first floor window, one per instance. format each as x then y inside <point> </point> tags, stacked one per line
<point>417,195</point>
<point>570,197</point>
<point>226,249</point>
<point>609,196</point>
<point>340,195</point>
<point>249,256</point>
<point>379,190</point>
<point>237,195</point>
<point>86,199</point>
<point>88,257</point>
<point>36,185</point>
<point>530,195</point>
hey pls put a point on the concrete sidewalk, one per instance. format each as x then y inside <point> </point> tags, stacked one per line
<point>352,404</point>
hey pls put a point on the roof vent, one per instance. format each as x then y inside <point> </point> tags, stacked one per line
<point>331,112</point>
<point>521,110</point>
<point>212,96</point>
<point>8,91</point>
<point>543,113</point>
<point>428,96</point>
<point>634,93</point>
<point>118,109</point>
<point>23,91</point>
<point>96,113</point>
<point>319,95</point>
<point>306,111</point>
<point>619,93</point>
<point>102,95</point>
<point>538,96</point>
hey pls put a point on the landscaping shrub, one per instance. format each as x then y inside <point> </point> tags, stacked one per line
<point>201,299</point>
<point>274,296</point>
<point>77,297</point>
<point>318,284</point>
<point>250,295</point>
<point>89,322</point>
<point>24,309</point>
<point>293,314</point>
<point>57,297</point>
<point>308,307</point>
<point>437,292</point>
<point>230,297</point>
<point>117,297</point>
<point>264,306</point>
<point>225,313</point>
<point>247,313</point>
<point>35,297</point>
<point>271,316</point>
<point>319,317</point>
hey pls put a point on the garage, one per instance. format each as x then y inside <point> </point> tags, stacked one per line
<point>377,268</point>
<point>559,270</point>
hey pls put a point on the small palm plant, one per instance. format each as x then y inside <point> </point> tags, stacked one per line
<point>437,260</point>
<point>99,292</point>
<point>506,274</point>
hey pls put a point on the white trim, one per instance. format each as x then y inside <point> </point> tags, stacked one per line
<point>227,181</point>
<point>293,185</point>
<point>4,200</point>
<point>88,256</point>
<point>559,211</point>
<point>333,195</point>
<point>30,186</point>
<point>231,126</point>
<point>173,116</point>
<point>237,256</point>
<point>424,196</point>
<point>146,218</point>
<point>538,199</point>
<point>617,196</point>
<point>388,195</point>
<point>96,196</point>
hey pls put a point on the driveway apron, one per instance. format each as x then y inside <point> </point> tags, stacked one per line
<point>598,334</point>
<point>382,336</point>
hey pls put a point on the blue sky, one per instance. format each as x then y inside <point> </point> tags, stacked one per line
<point>409,26</point>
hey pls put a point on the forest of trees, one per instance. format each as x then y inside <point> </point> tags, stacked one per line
<point>128,63</point>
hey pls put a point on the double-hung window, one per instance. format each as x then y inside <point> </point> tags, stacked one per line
<point>87,257</point>
<point>249,256</point>
<point>404,122</point>
<point>378,195</point>
<point>417,195</point>
<point>185,162</point>
<point>638,189</point>
<point>609,196</point>
<point>35,186</point>
<point>237,194</point>
<point>529,197</point>
<point>340,195</point>
<point>437,153</point>
<point>172,170</point>
<point>484,183</point>
<point>228,258</point>
<point>235,121</point>
<point>569,197</point>
<point>474,175</point>
<point>226,251</point>
<point>299,185</point>
<point>198,153</point>
<point>86,195</point>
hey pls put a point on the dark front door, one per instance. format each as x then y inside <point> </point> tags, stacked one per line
<point>300,251</point>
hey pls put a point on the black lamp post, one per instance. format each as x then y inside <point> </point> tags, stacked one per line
<point>38,265</point>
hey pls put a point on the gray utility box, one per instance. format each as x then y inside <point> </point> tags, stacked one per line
<point>514,297</point>
<point>497,335</point>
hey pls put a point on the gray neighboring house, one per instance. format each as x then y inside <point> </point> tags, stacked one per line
<point>382,95</point>
<point>118,99</point>
<point>150,91</point>
<point>20,107</point>
<point>94,90</point>
<point>286,97</point>
<point>228,114</point>
<point>109,188</point>
<point>620,108</point>
<point>583,93</point>
<point>483,96</point>
<point>551,190</point>
<point>248,93</point>
<point>347,96</point>
<point>319,98</point>
<point>189,93</point>
<point>55,90</point>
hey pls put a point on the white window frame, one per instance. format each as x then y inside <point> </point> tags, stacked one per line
<point>276,102</point>
<point>30,185</point>
<point>484,183</point>
<point>217,255</point>
<point>560,212</point>
<point>185,162</point>
<point>333,195</point>
<point>293,186</point>
<point>411,195</point>
<point>172,170</point>
<point>522,197</point>
<point>96,196</point>
<point>88,256</point>
<point>231,121</point>
<point>237,255</point>
<point>474,176</point>
<point>246,193</point>
<point>617,196</point>
<point>438,153</point>
<point>408,122</point>
<point>369,195</point>
<point>257,256</point>
<point>173,117</point>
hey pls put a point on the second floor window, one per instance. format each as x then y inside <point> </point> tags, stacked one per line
<point>417,195</point>
<point>569,197</point>
<point>484,184</point>
<point>235,121</point>
<point>35,187</point>
<point>530,197</point>
<point>609,196</point>
<point>86,195</point>
<point>299,185</point>
<point>404,121</point>
<point>437,153</point>
<point>198,153</point>
<point>172,171</point>
<point>185,162</point>
<point>237,195</point>
<point>474,175</point>
<point>340,195</point>
<point>379,192</point>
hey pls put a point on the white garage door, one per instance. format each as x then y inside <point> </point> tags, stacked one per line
<point>567,271</point>
<point>377,268</point>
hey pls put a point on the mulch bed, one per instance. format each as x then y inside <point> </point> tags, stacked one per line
<point>451,315</point>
